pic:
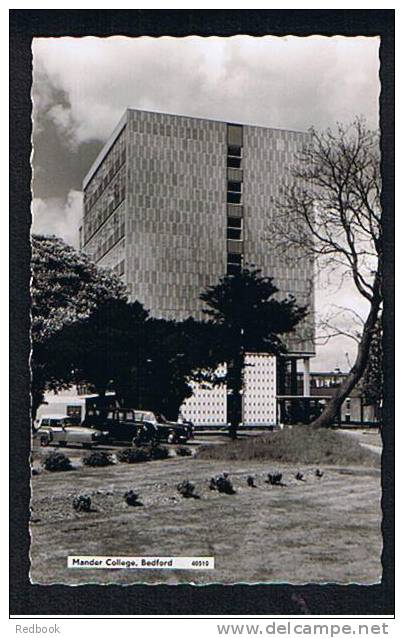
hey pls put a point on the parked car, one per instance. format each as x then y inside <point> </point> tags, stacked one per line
<point>123,425</point>
<point>63,431</point>
<point>169,431</point>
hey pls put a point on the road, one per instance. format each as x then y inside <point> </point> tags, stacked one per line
<point>369,439</point>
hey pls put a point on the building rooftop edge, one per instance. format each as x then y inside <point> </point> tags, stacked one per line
<point>213,119</point>
<point>118,128</point>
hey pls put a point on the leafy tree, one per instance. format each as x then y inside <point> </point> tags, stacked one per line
<point>84,330</point>
<point>250,319</point>
<point>66,287</point>
<point>177,353</point>
<point>104,348</point>
<point>333,214</point>
<point>147,362</point>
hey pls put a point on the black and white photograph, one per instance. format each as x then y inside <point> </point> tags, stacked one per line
<point>206,311</point>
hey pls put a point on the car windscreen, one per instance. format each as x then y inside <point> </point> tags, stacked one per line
<point>57,422</point>
<point>126,415</point>
<point>70,421</point>
<point>141,416</point>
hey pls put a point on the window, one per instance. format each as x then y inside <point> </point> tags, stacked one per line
<point>234,258</point>
<point>234,135</point>
<point>234,222</point>
<point>234,175</point>
<point>234,151</point>
<point>233,198</point>
<point>234,233</point>
<point>234,211</point>
<point>74,411</point>
<point>234,247</point>
<point>235,187</point>
<point>234,162</point>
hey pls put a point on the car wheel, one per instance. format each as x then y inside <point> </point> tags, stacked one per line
<point>44,441</point>
<point>172,438</point>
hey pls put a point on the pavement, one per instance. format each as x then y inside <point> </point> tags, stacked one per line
<point>369,439</point>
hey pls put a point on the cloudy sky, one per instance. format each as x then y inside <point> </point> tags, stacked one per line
<point>82,86</point>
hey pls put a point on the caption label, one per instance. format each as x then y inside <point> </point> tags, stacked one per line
<point>140,562</point>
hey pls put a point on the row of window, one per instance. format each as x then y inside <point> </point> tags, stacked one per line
<point>119,269</point>
<point>105,208</point>
<point>105,172</point>
<point>109,243</point>
<point>90,200</point>
<point>234,199</point>
<point>234,227</point>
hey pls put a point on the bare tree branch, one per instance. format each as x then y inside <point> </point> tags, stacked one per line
<point>332,213</point>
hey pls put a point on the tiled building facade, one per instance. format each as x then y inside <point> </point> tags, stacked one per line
<point>172,203</point>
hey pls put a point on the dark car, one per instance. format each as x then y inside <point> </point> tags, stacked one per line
<point>168,431</point>
<point>190,428</point>
<point>122,426</point>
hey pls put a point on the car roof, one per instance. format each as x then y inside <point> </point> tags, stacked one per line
<point>55,416</point>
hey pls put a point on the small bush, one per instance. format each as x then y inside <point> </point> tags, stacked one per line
<point>98,459</point>
<point>133,455</point>
<point>131,498</point>
<point>57,462</point>
<point>222,484</point>
<point>183,451</point>
<point>158,453</point>
<point>250,481</point>
<point>82,503</point>
<point>275,479</point>
<point>187,489</point>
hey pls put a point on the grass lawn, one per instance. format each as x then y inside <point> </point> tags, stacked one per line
<point>320,530</point>
<point>298,444</point>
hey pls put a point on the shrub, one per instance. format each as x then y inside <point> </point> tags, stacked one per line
<point>131,498</point>
<point>183,451</point>
<point>98,459</point>
<point>275,479</point>
<point>82,503</point>
<point>57,462</point>
<point>133,455</point>
<point>187,489</point>
<point>158,453</point>
<point>250,481</point>
<point>222,484</point>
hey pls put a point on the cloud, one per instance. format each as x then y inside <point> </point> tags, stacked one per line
<point>82,86</point>
<point>282,82</point>
<point>57,216</point>
<point>63,119</point>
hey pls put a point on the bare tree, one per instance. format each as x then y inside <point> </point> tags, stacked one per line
<point>333,213</point>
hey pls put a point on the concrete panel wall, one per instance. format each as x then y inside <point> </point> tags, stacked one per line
<point>268,155</point>
<point>176,210</point>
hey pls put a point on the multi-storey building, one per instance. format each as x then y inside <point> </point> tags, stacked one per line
<point>172,203</point>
